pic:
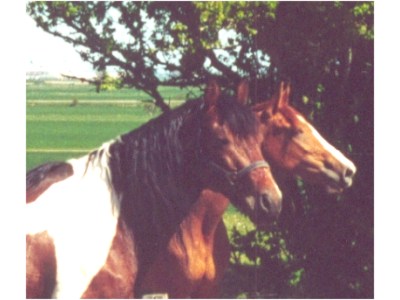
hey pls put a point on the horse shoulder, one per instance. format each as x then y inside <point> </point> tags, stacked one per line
<point>193,264</point>
<point>180,267</point>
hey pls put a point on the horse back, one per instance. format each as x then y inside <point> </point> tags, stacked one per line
<point>42,177</point>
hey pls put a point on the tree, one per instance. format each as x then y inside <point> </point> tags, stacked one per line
<point>324,48</point>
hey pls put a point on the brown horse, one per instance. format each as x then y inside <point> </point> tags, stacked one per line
<point>198,253</point>
<point>96,224</point>
<point>292,144</point>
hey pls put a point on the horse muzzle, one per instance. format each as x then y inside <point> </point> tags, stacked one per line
<point>272,206</point>
<point>264,207</point>
<point>339,179</point>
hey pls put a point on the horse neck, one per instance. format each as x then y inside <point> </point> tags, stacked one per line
<point>206,214</point>
<point>150,174</point>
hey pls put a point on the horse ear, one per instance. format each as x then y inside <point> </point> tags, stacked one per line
<point>279,98</point>
<point>212,93</point>
<point>282,98</point>
<point>286,94</point>
<point>242,92</point>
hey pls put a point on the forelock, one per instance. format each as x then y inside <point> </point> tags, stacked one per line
<point>240,118</point>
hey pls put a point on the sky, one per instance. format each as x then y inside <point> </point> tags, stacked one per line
<point>52,54</point>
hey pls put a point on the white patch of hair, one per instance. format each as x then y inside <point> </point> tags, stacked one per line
<point>80,214</point>
<point>327,146</point>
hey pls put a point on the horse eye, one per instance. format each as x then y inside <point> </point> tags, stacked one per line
<point>289,131</point>
<point>265,116</point>
<point>278,130</point>
<point>296,131</point>
<point>223,141</point>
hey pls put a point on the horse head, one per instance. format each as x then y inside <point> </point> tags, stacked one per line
<point>232,148</point>
<point>293,144</point>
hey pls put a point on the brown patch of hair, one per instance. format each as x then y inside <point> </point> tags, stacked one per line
<point>40,266</point>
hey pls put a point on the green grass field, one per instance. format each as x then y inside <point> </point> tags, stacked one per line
<point>55,132</point>
<point>70,91</point>
<point>67,120</point>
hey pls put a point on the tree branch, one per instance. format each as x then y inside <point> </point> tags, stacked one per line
<point>220,66</point>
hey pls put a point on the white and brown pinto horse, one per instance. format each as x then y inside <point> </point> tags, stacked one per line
<point>291,143</point>
<point>96,225</point>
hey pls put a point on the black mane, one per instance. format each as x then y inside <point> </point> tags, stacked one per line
<point>146,167</point>
<point>239,118</point>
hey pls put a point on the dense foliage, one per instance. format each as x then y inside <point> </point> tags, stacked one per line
<point>324,48</point>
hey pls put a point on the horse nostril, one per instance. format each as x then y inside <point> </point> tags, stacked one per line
<point>270,205</point>
<point>264,202</point>
<point>347,178</point>
<point>348,173</point>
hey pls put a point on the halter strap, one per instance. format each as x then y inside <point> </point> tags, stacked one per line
<point>232,176</point>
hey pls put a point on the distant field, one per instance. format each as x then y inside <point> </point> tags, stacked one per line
<point>67,120</point>
<point>66,91</point>
<point>55,132</point>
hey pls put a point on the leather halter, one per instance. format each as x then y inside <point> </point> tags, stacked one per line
<point>233,176</point>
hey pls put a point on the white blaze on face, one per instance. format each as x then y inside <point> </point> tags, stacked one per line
<point>328,147</point>
<point>80,214</point>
